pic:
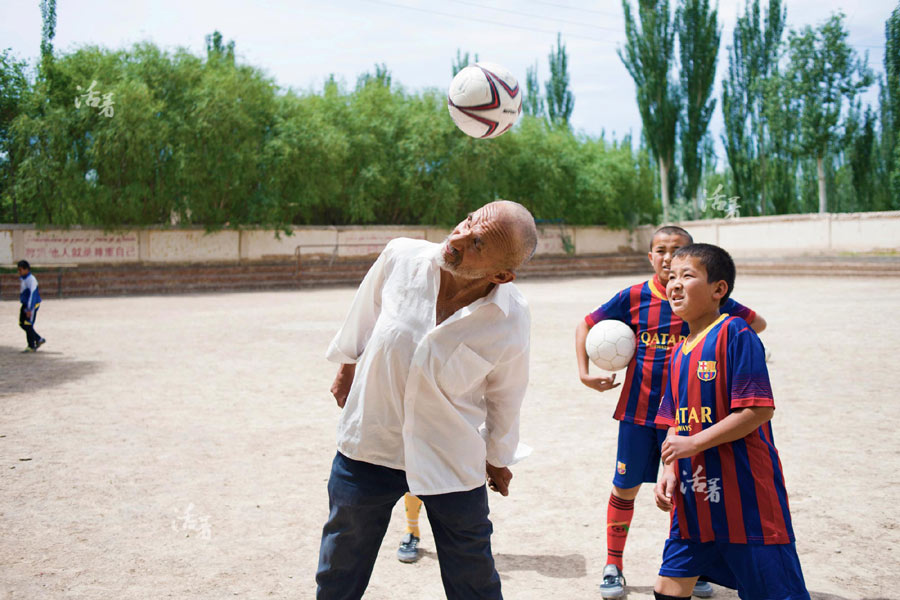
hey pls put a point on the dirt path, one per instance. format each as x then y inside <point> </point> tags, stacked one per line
<point>178,447</point>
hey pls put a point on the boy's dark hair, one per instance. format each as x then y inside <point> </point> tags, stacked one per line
<point>671,230</point>
<point>23,264</point>
<point>717,262</point>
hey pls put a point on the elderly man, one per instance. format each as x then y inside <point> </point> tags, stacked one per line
<point>434,366</point>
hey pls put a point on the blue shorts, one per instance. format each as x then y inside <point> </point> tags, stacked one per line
<point>637,459</point>
<point>756,571</point>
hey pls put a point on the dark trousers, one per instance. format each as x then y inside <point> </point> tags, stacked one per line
<point>28,325</point>
<point>361,496</point>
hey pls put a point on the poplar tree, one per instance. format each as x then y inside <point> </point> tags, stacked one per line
<point>461,62</point>
<point>648,55</point>
<point>890,104</point>
<point>533,104</point>
<point>560,101</point>
<point>747,97</point>
<point>698,40</point>
<point>824,72</point>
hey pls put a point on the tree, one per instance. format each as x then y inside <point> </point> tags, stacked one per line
<point>824,72</point>
<point>698,39</point>
<point>560,101</point>
<point>533,104</point>
<point>860,148</point>
<point>648,56</point>
<point>48,31</point>
<point>747,101</point>
<point>890,104</point>
<point>461,62</point>
<point>382,77</point>
<point>14,88</point>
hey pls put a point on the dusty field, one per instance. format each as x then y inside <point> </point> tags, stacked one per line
<point>178,447</point>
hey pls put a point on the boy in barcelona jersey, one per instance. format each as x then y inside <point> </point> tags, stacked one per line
<point>722,479</point>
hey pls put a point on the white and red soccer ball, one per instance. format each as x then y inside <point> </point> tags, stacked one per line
<point>610,344</point>
<point>484,100</point>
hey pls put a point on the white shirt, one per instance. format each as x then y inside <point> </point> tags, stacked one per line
<point>421,390</point>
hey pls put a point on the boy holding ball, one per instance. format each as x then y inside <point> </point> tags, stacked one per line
<point>645,308</point>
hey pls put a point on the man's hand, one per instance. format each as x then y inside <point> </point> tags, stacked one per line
<point>498,478</point>
<point>601,384</point>
<point>663,491</point>
<point>340,389</point>
<point>678,446</point>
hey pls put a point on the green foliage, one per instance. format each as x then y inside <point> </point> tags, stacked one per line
<point>560,101</point>
<point>213,142</point>
<point>648,55</point>
<point>14,88</point>
<point>698,38</point>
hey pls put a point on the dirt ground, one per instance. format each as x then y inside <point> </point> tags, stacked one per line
<point>178,447</point>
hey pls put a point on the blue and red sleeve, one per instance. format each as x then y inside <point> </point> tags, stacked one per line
<point>666,413</point>
<point>618,307</point>
<point>748,375</point>
<point>736,309</point>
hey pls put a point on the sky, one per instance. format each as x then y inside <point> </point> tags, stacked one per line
<point>300,42</point>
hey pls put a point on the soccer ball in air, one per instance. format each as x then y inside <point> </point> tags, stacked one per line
<point>610,344</point>
<point>484,100</point>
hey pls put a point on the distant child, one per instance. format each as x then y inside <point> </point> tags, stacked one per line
<point>722,478</point>
<point>646,309</point>
<point>30,298</point>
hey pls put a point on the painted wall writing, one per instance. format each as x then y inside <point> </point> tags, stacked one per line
<point>79,246</point>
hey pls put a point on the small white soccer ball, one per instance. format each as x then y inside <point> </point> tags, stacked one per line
<point>484,100</point>
<point>610,344</point>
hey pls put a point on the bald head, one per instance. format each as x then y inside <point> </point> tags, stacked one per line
<point>518,224</point>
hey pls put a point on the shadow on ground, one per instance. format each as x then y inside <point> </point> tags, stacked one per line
<point>28,372</point>
<point>571,566</point>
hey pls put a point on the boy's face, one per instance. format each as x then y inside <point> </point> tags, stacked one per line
<point>661,250</point>
<point>690,294</point>
<point>22,271</point>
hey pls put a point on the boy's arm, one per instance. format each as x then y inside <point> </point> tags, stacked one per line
<point>758,324</point>
<point>740,423</point>
<point>665,487</point>
<point>596,382</point>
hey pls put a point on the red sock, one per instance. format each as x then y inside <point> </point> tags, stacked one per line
<point>618,521</point>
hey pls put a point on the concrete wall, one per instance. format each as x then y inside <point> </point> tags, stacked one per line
<point>788,235</point>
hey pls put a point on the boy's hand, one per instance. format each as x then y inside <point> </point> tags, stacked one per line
<point>663,491</point>
<point>498,478</point>
<point>601,384</point>
<point>678,446</point>
<point>28,314</point>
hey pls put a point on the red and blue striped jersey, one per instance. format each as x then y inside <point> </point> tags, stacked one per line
<point>658,330</point>
<point>733,492</point>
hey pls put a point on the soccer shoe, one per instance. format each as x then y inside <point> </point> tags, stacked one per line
<point>28,350</point>
<point>39,343</point>
<point>613,585</point>
<point>408,552</point>
<point>703,589</point>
